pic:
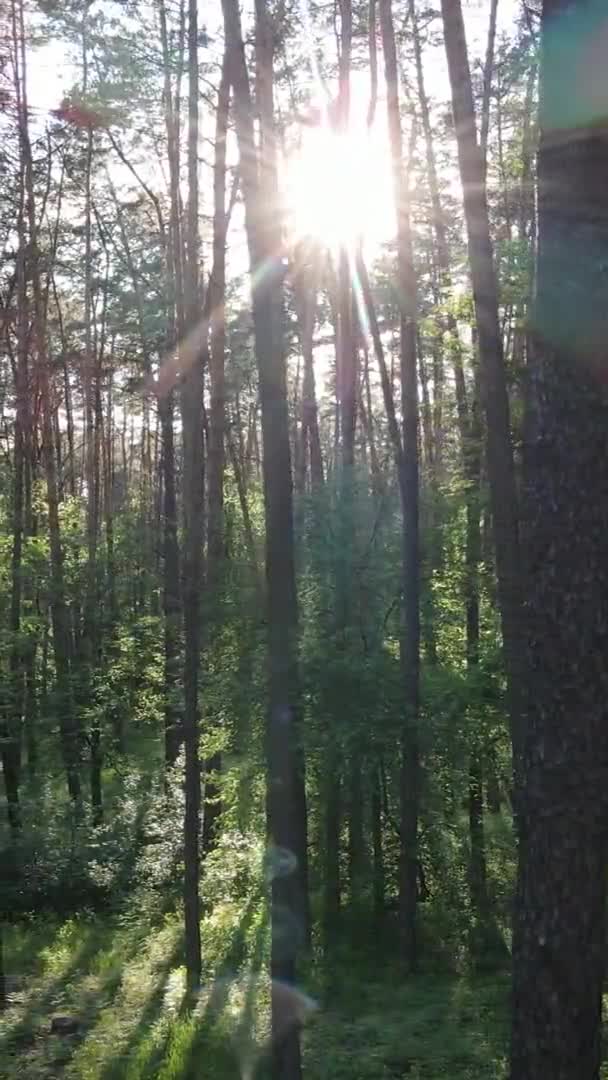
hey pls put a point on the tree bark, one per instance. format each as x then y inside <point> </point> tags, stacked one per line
<point>559,944</point>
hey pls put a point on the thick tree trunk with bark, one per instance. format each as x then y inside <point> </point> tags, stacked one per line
<point>559,946</point>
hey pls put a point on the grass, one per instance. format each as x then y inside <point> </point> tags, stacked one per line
<point>374,1024</point>
<point>123,982</point>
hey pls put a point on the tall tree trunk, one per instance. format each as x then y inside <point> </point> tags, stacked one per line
<point>32,597</point>
<point>503,494</point>
<point>106,438</point>
<point>410,631</point>
<point>286,807</point>
<point>488,69</point>
<point>559,944</point>
<point>215,303</point>
<point>175,334</point>
<point>12,708</point>
<point>90,628</point>
<point>11,715</point>
<point>217,288</point>
<point>172,129</point>
<point>88,364</point>
<point>171,591</point>
<point>191,405</point>
<point>67,389</point>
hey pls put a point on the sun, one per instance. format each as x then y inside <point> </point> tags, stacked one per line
<point>338,189</point>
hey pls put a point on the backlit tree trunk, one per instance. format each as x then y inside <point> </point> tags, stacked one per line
<point>286,806</point>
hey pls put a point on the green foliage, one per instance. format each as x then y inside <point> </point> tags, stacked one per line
<point>62,865</point>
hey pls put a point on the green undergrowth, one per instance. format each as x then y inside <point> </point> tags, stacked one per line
<point>121,980</point>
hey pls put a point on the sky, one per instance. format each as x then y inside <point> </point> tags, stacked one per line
<point>50,72</point>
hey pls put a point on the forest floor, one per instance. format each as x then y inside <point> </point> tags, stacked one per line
<point>122,985</point>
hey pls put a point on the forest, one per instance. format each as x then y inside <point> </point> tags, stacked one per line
<point>303,539</point>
